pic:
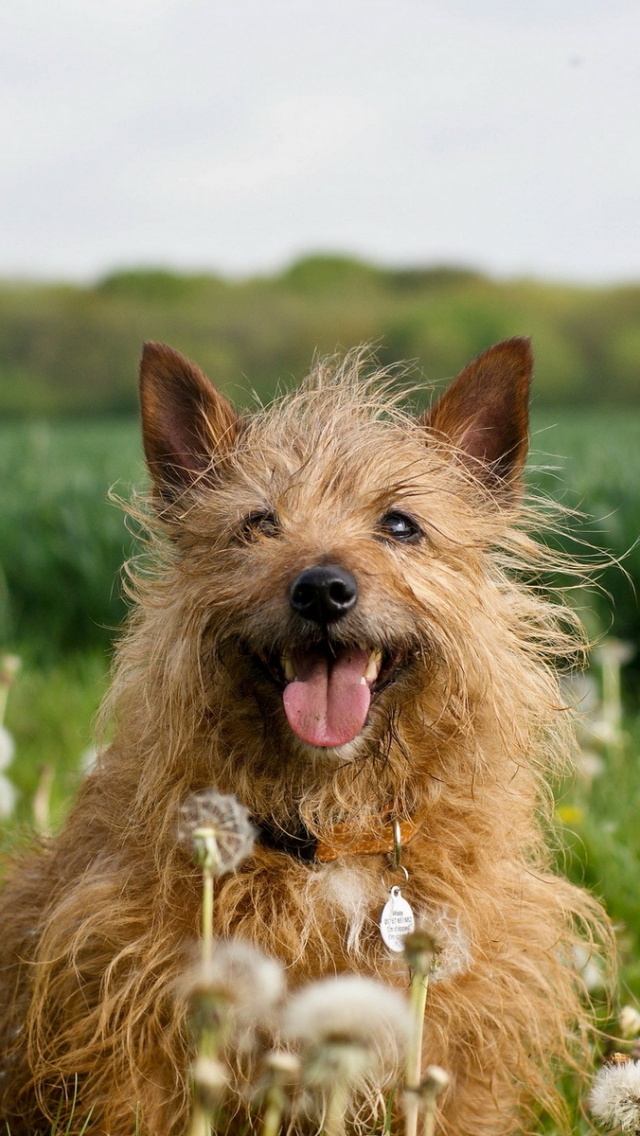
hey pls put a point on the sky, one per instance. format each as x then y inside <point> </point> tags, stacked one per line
<point>235,135</point>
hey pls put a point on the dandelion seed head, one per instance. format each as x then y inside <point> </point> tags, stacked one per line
<point>210,1080</point>
<point>629,1022</point>
<point>247,983</point>
<point>336,1061</point>
<point>588,967</point>
<point>616,652</point>
<point>363,1023</point>
<point>217,830</point>
<point>615,1096</point>
<point>589,765</point>
<point>9,667</point>
<point>89,760</point>
<point>454,953</point>
<point>421,948</point>
<point>7,747</point>
<point>282,1064</point>
<point>435,1080</point>
<point>603,731</point>
<point>581,692</point>
<point>8,797</point>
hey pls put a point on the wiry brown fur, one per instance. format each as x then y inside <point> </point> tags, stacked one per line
<point>96,927</point>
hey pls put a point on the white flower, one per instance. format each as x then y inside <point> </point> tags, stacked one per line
<point>580,691</point>
<point>8,797</point>
<point>588,967</point>
<point>589,765</point>
<point>7,747</point>
<point>629,1022</point>
<point>9,667</point>
<point>614,652</point>
<point>89,760</point>
<point>603,731</point>
<point>615,1096</point>
<point>348,1021</point>
<point>8,791</point>
<point>217,830</point>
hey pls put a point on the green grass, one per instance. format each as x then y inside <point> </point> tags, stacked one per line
<point>602,846</point>
<point>50,713</point>
<point>595,468</point>
<point>62,541</point>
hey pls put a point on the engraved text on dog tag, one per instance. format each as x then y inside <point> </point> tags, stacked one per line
<point>396,920</point>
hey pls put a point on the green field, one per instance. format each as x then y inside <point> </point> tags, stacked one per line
<point>62,543</point>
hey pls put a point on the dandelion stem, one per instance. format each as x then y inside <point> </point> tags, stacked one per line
<point>274,1107</point>
<point>200,1122</point>
<point>4,696</point>
<point>207,914</point>
<point>217,831</point>
<point>206,1043</point>
<point>430,1116</point>
<point>419,987</point>
<point>337,1105</point>
<point>283,1071</point>
<point>9,667</point>
<point>611,690</point>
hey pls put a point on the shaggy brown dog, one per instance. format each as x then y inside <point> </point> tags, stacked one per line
<point>344,628</point>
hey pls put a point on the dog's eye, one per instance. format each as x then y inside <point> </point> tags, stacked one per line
<point>399,526</point>
<point>260,522</point>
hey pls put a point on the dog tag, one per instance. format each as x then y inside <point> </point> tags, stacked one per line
<point>396,920</point>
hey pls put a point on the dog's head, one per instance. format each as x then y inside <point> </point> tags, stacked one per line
<point>332,546</point>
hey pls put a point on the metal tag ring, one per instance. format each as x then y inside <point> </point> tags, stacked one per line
<point>399,868</point>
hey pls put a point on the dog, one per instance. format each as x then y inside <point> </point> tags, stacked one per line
<point>342,625</point>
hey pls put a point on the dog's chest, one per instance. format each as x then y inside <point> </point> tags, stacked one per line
<point>358,902</point>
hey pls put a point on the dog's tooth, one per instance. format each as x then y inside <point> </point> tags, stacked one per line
<point>373,666</point>
<point>288,668</point>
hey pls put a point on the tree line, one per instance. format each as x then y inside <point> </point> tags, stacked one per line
<point>71,349</point>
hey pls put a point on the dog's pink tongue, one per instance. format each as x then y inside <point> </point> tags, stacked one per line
<point>327,703</point>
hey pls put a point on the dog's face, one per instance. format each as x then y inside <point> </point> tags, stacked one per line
<point>334,551</point>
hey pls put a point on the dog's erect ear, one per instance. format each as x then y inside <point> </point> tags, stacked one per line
<point>187,425</point>
<point>485,413</point>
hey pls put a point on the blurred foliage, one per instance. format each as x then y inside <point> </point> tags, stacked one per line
<point>600,836</point>
<point>62,542</point>
<point>74,349</point>
<point>51,713</point>
<point>590,462</point>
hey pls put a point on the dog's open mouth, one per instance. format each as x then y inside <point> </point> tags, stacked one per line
<point>327,689</point>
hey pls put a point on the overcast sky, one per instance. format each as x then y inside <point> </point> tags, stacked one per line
<point>234,135</point>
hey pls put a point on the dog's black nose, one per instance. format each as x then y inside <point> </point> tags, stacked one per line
<point>323,594</point>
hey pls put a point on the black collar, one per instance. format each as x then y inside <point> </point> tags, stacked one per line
<point>301,845</point>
